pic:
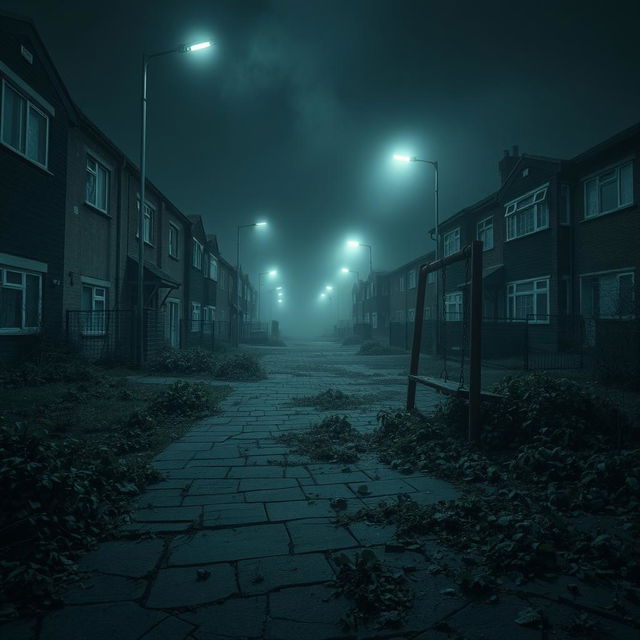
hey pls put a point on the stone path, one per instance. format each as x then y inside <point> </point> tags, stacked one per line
<point>237,541</point>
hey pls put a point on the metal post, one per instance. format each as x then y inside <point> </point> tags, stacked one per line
<point>237,340</point>
<point>417,338</point>
<point>143,177</point>
<point>475,350</point>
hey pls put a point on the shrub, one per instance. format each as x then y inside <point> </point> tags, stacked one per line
<point>373,348</point>
<point>193,360</point>
<point>239,366</point>
<point>183,398</point>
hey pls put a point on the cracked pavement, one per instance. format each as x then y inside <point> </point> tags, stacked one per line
<point>236,542</point>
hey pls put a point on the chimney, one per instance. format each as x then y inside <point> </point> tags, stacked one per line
<point>507,163</point>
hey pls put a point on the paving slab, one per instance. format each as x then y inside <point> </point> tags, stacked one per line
<point>220,515</point>
<point>333,478</point>
<point>382,487</point>
<point>104,588</point>
<point>186,587</point>
<point>124,621</point>
<point>171,628</point>
<point>267,574</point>
<point>124,557</point>
<point>274,495</point>
<point>318,535</point>
<point>200,487</point>
<point>328,491</point>
<point>224,545</point>
<point>239,618</point>
<point>219,498</point>
<point>258,484</point>
<point>167,514</point>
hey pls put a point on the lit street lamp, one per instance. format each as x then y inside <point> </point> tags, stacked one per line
<point>355,243</point>
<point>146,57</point>
<point>357,275</point>
<point>238,319</point>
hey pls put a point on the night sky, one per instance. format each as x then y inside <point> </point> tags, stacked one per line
<point>294,115</point>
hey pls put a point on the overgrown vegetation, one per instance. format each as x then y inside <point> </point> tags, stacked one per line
<point>227,366</point>
<point>71,456</point>
<point>333,400</point>
<point>331,440</point>
<point>351,340</point>
<point>373,348</point>
<point>380,595</point>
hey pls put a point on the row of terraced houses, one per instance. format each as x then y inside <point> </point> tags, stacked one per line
<point>561,255</point>
<point>69,216</point>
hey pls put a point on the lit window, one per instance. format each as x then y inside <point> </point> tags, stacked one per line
<point>20,301</point>
<point>97,185</point>
<point>527,214</point>
<point>451,242</point>
<point>24,127</point>
<point>608,191</point>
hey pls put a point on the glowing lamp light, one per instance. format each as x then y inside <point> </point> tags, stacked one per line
<point>198,46</point>
<point>322,295</point>
<point>329,287</point>
<point>261,224</point>
<point>344,270</point>
<point>278,288</point>
<point>274,272</point>
<point>401,158</point>
<point>353,243</point>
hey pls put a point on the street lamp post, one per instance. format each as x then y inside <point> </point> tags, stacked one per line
<point>434,164</point>
<point>143,177</point>
<point>238,322</point>
<point>357,275</point>
<point>355,243</point>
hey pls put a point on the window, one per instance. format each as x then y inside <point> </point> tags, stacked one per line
<point>427,312</point>
<point>196,259</point>
<point>213,268</point>
<point>564,213</point>
<point>527,214</point>
<point>148,231</point>
<point>93,304</point>
<point>453,307</point>
<point>451,241</point>
<point>528,300</point>
<point>20,301</point>
<point>208,317</point>
<point>25,128</point>
<point>411,279</point>
<point>608,295</point>
<point>608,191</point>
<point>431,277</point>
<point>173,240</point>
<point>411,315</point>
<point>97,185</point>
<point>374,320</point>
<point>401,284</point>
<point>195,316</point>
<point>485,233</point>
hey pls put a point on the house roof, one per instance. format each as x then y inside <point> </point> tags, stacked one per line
<point>615,139</point>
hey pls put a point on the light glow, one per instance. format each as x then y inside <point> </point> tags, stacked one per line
<point>401,158</point>
<point>198,46</point>
<point>344,270</point>
<point>353,243</point>
<point>329,287</point>
<point>261,224</point>
<point>274,272</point>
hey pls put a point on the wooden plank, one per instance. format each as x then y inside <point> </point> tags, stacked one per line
<point>450,388</point>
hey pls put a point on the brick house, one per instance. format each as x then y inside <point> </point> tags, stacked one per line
<point>226,300</point>
<point>35,115</point>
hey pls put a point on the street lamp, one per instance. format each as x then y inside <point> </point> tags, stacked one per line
<point>355,243</point>
<point>240,226</point>
<point>146,57</point>
<point>434,164</point>
<point>357,275</point>
<point>273,272</point>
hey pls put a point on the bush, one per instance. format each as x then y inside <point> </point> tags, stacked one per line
<point>239,366</point>
<point>373,348</point>
<point>193,360</point>
<point>183,399</point>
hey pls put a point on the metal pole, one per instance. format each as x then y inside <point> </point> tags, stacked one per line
<point>143,177</point>
<point>237,340</point>
<point>475,350</point>
<point>417,338</point>
<point>259,290</point>
<point>437,322</point>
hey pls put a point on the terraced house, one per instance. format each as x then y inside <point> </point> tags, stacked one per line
<point>69,227</point>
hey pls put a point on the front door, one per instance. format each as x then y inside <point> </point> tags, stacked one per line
<point>174,323</point>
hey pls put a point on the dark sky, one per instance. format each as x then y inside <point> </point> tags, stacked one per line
<point>294,115</point>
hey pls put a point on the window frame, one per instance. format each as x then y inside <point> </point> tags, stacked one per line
<point>522,205</point>
<point>486,226</point>
<point>102,330</point>
<point>107,173</point>
<point>23,329</point>
<point>595,179</point>
<point>411,279</point>
<point>197,250</point>
<point>455,299</point>
<point>213,267</point>
<point>450,247</point>
<point>173,243</point>
<point>625,271</point>
<point>196,316</point>
<point>534,292</point>
<point>24,125</point>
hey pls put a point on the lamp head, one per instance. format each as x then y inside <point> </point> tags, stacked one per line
<point>401,158</point>
<point>197,46</point>
<point>344,270</point>
<point>260,224</point>
<point>353,243</point>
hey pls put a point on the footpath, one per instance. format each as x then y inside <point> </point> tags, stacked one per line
<point>239,540</point>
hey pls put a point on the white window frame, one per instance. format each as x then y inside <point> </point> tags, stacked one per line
<point>213,268</point>
<point>453,309</point>
<point>411,279</point>
<point>98,317</point>
<point>484,232</point>
<point>5,283</point>
<point>100,171</point>
<point>534,203</point>
<point>539,286</point>
<point>596,181</point>
<point>618,273</point>
<point>196,310</point>
<point>23,144</point>
<point>197,251</point>
<point>451,242</point>
<point>174,235</point>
